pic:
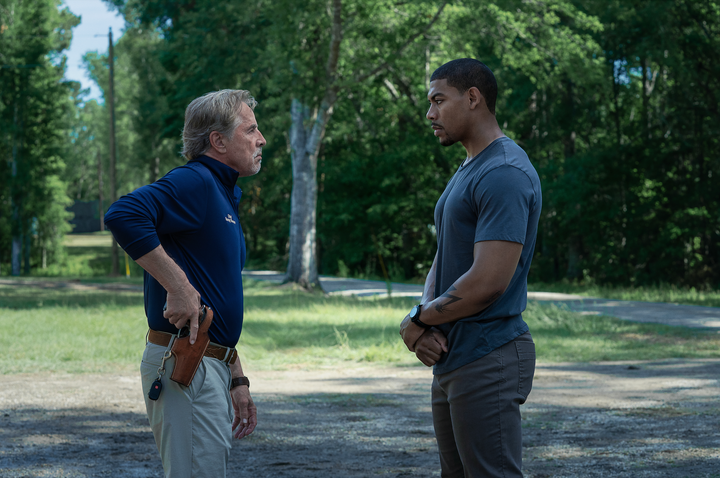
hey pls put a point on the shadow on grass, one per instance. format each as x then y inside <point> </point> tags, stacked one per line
<point>264,299</point>
<point>35,298</point>
<point>273,336</point>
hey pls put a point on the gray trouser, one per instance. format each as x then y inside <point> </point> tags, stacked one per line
<point>192,425</point>
<point>476,412</point>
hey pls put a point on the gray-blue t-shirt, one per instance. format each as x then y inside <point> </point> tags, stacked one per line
<point>495,197</point>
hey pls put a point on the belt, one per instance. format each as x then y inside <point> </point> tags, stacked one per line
<point>223,354</point>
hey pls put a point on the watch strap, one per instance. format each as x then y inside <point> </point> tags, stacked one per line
<point>415,318</point>
<point>237,381</point>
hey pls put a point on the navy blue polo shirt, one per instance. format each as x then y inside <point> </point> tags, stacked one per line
<point>193,213</point>
<point>495,197</point>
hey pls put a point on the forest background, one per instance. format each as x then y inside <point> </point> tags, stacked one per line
<point>615,102</point>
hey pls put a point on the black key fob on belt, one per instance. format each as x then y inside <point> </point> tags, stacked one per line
<point>155,390</point>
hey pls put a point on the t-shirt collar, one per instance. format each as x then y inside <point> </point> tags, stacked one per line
<point>227,175</point>
<point>467,161</point>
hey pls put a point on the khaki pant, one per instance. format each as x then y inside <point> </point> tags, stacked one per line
<point>192,425</point>
<point>476,412</point>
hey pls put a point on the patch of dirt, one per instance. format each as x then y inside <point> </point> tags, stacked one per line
<point>646,419</point>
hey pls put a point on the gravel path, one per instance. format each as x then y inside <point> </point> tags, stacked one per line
<point>620,420</point>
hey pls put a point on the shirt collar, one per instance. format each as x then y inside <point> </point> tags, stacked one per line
<point>227,175</point>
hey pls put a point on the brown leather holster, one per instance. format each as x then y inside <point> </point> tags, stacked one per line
<point>188,357</point>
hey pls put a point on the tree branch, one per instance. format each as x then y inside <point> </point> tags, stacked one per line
<point>335,39</point>
<point>386,64</point>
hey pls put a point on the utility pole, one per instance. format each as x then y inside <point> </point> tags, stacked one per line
<point>111,104</point>
<point>101,209</point>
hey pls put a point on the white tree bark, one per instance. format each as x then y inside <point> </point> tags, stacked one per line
<point>305,147</point>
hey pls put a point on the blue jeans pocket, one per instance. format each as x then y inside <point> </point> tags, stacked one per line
<point>526,367</point>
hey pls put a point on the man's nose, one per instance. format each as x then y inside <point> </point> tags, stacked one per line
<point>431,114</point>
<point>262,140</point>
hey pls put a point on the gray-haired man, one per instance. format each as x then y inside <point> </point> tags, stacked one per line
<point>185,232</point>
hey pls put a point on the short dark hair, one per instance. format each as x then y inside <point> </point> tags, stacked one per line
<point>464,73</point>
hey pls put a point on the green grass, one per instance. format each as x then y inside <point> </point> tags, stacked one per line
<point>663,293</point>
<point>89,256</point>
<point>54,329</point>
<point>564,336</point>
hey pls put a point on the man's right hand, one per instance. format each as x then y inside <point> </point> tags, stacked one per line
<point>183,306</point>
<point>430,346</point>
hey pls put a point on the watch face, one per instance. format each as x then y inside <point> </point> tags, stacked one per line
<point>415,312</point>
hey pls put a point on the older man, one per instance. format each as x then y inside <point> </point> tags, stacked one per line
<point>469,325</point>
<point>185,232</point>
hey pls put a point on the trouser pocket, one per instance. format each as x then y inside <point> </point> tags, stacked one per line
<point>526,365</point>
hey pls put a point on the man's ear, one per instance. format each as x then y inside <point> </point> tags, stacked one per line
<point>217,142</point>
<point>475,98</point>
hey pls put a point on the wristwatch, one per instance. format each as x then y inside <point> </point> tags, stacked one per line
<point>236,382</point>
<point>415,317</point>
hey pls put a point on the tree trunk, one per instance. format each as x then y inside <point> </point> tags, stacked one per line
<point>26,252</point>
<point>302,267</point>
<point>305,147</point>
<point>16,253</point>
<point>16,250</point>
<point>574,258</point>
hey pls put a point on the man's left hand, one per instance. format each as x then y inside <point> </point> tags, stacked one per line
<point>410,333</point>
<point>245,412</point>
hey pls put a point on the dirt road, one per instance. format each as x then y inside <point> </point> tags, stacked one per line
<point>652,419</point>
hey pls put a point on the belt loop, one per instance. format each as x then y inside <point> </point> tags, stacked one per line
<point>147,335</point>
<point>228,351</point>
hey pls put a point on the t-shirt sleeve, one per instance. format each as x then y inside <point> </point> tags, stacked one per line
<point>174,204</point>
<point>504,198</point>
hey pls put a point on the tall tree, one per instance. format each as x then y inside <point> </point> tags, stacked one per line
<point>346,68</point>
<point>34,102</point>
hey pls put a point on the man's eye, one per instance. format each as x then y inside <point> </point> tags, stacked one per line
<point>437,102</point>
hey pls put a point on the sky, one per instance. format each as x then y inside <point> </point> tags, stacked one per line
<point>97,18</point>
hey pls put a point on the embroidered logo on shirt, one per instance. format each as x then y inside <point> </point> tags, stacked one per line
<point>229,219</point>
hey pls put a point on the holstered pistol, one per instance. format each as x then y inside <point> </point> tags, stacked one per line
<point>188,357</point>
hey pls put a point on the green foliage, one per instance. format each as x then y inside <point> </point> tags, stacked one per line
<point>89,256</point>
<point>34,106</point>
<point>564,336</point>
<point>627,162</point>
<point>615,102</point>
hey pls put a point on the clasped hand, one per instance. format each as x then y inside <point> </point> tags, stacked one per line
<point>428,344</point>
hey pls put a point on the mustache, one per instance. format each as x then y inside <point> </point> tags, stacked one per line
<point>257,153</point>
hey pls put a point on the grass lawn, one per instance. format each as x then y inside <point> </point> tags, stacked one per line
<point>666,293</point>
<point>86,331</point>
<point>88,256</point>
